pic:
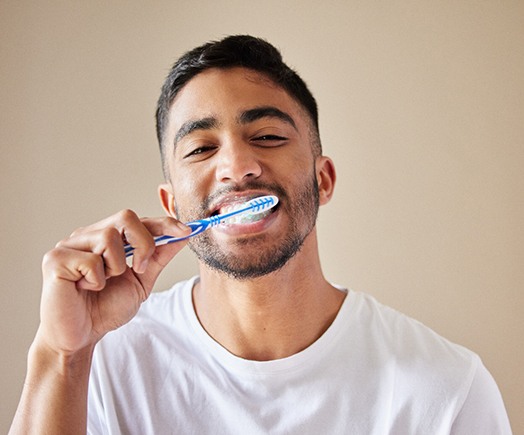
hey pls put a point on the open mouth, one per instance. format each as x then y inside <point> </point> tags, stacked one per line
<point>247,217</point>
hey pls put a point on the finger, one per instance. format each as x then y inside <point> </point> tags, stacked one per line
<point>130,228</point>
<point>107,243</point>
<point>171,227</point>
<point>85,269</point>
<point>143,245</point>
<point>116,220</point>
<point>136,234</point>
<point>165,253</point>
<point>158,261</point>
<point>139,234</point>
<point>157,227</point>
<point>166,225</point>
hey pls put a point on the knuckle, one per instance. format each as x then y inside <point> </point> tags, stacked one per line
<point>76,232</point>
<point>110,234</point>
<point>50,258</point>
<point>93,262</point>
<point>127,215</point>
<point>61,244</point>
<point>53,260</point>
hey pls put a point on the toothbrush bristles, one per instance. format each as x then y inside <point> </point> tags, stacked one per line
<point>242,214</point>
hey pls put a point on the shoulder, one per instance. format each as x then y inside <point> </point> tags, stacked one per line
<point>404,336</point>
<point>421,359</point>
<point>483,410</point>
<point>425,372</point>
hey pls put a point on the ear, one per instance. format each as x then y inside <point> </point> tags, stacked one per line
<point>167,199</point>
<point>326,178</point>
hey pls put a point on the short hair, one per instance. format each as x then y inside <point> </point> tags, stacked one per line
<point>234,51</point>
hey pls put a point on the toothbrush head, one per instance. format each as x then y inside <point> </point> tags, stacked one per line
<point>252,207</point>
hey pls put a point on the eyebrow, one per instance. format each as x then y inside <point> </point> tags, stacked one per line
<point>257,113</point>
<point>246,117</point>
<point>190,126</point>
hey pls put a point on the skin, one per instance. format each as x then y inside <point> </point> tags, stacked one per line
<point>89,289</point>
<point>248,317</point>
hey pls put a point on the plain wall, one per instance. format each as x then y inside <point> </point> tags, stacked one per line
<point>421,108</point>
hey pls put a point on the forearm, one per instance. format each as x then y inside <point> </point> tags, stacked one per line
<point>88,290</point>
<point>54,397</point>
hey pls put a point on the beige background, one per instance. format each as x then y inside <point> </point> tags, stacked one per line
<point>422,109</point>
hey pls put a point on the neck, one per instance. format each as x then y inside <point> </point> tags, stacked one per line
<point>273,316</point>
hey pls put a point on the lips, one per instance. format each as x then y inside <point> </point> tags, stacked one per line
<point>228,203</point>
<point>232,203</point>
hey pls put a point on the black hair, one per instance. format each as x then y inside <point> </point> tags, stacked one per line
<point>234,51</point>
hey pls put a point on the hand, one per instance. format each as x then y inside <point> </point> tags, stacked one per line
<point>89,289</point>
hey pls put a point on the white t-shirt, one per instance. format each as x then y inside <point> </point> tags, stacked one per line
<point>374,371</point>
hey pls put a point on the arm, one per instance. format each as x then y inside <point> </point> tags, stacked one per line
<point>54,398</point>
<point>88,290</point>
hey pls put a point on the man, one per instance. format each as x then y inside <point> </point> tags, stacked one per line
<point>260,342</point>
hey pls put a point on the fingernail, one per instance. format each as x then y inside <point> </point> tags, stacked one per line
<point>142,266</point>
<point>183,227</point>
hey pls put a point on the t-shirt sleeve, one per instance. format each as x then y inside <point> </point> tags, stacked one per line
<point>483,411</point>
<point>95,408</point>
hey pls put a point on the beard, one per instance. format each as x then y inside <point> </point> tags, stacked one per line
<point>257,256</point>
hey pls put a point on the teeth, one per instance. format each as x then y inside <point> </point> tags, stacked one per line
<point>243,218</point>
<point>229,208</point>
<point>247,218</point>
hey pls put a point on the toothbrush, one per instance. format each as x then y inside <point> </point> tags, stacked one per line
<point>254,206</point>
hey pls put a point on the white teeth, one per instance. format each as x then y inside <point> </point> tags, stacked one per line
<point>229,208</point>
<point>247,218</point>
<point>242,218</point>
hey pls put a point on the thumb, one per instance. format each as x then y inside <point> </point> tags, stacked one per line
<point>153,266</point>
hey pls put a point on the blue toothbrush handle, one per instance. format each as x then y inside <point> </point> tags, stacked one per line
<point>196,226</point>
<point>256,205</point>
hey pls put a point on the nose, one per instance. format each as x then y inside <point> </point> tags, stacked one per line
<point>237,161</point>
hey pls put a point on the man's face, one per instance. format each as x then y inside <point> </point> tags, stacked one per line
<point>234,135</point>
